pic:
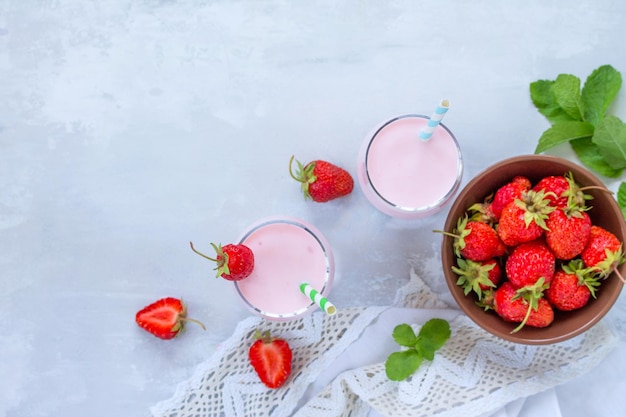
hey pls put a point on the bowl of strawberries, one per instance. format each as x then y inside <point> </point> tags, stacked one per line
<point>532,249</point>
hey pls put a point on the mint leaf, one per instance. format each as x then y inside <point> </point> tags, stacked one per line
<point>599,90</point>
<point>621,197</point>
<point>562,132</point>
<point>589,154</point>
<point>400,365</point>
<point>566,89</point>
<point>544,99</point>
<point>610,136</point>
<point>404,335</point>
<point>432,337</point>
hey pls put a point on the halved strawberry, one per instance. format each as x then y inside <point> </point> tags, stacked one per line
<point>271,359</point>
<point>165,318</point>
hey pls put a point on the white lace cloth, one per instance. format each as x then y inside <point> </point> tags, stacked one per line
<point>473,374</point>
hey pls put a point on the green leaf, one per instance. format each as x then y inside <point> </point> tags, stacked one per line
<point>610,136</point>
<point>404,335</point>
<point>545,101</point>
<point>589,154</point>
<point>432,336</point>
<point>400,365</point>
<point>621,197</point>
<point>566,89</point>
<point>599,90</point>
<point>563,132</point>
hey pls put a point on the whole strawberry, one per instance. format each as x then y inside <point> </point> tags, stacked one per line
<point>568,232</point>
<point>322,181</point>
<point>603,252</point>
<point>555,187</point>
<point>562,191</point>
<point>525,306</point>
<point>475,240</point>
<point>524,219</point>
<point>509,193</point>
<point>234,261</point>
<point>528,262</point>
<point>271,359</point>
<point>572,286</point>
<point>477,277</point>
<point>165,318</point>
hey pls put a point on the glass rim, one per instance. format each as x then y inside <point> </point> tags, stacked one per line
<point>422,209</point>
<point>328,259</point>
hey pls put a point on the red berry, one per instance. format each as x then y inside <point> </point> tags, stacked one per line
<point>524,306</point>
<point>165,318</point>
<point>571,287</point>
<point>476,241</point>
<point>528,262</point>
<point>322,181</point>
<point>524,219</point>
<point>555,188</point>
<point>603,251</point>
<point>568,232</point>
<point>271,359</point>
<point>477,276</point>
<point>508,193</point>
<point>234,262</point>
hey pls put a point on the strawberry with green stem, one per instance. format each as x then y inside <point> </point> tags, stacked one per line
<point>475,240</point>
<point>572,286</point>
<point>165,318</point>
<point>569,229</point>
<point>508,193</point>
<point>322,181</point>
<point>526,305</point>
<point>524,219</point>
<point>234,261</point>
<point>603,253</point>
<point>528,262</point>
<point>477,276</point>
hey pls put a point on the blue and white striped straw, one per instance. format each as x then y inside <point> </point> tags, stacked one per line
<point>318,298</point>
<point>435,119</point>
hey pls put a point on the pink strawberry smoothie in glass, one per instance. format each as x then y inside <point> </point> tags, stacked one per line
<point>287,251</point>
<point>404,176</point>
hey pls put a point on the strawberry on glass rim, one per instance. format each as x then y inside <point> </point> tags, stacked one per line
<point>234,261</point>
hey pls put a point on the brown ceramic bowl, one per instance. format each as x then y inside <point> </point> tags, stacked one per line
<point>604,212</point>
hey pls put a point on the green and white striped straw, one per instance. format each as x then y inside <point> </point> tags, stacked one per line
<point>435,119</point>
<point>318,298</point>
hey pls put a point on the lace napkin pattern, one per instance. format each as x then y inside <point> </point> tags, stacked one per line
<point>472,374</point>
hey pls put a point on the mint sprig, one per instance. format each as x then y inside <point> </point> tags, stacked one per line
<point>431,337</point>
<point>577,115</point>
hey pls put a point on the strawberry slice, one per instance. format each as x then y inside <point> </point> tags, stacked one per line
<point>165,318</point>
<point>271,359</point>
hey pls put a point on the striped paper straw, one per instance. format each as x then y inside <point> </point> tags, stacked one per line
<point>318,298</point>
<point>435,119</point>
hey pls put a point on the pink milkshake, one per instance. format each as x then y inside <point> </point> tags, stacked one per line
<point>287,252</point>
<point>407,177</point>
